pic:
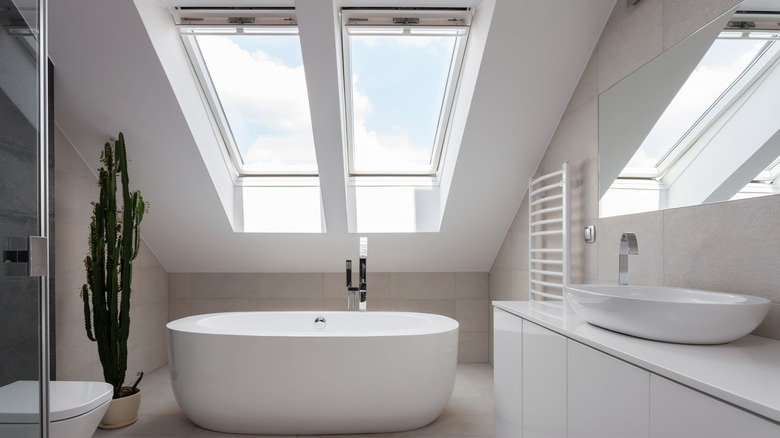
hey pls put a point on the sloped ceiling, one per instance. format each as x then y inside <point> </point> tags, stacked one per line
<point>108,78</point>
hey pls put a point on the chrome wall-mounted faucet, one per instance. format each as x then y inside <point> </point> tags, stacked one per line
<point>628,246</point>
<point>361,289</point>
<point>362,282</point>
<point>350,289</point>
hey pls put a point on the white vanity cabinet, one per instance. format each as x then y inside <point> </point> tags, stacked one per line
<point>555,378</point>
<point>680,412</point>
<point>530,375</point>
<point>544,382</point>
<point>507,369</point>
<point>606,396</point>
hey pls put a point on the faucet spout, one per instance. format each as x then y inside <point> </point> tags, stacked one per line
<point>628,246</point>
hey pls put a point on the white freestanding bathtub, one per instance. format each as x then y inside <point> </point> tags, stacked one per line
<point>313,372</point>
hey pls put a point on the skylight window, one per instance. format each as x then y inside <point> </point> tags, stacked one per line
<point>251,70</point>
<point>401,73</point>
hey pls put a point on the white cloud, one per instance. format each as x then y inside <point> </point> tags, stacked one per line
<point>257,89</point>
<point>382,151</point>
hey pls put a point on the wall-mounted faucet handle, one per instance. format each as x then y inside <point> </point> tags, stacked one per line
<point>628,245</point>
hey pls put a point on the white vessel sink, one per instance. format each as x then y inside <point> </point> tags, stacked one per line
<point>668,314</point>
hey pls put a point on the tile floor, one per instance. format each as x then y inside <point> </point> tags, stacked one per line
<point>469,413</point>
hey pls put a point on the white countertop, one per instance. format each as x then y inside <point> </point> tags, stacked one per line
<point>745,372</point>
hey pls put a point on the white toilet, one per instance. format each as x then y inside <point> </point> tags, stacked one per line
<point>75,408</point>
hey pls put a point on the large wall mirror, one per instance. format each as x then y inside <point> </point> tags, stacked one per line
<point>700,122</point>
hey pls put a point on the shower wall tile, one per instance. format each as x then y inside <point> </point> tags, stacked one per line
<point>462,296</point>
<point>19,295</point>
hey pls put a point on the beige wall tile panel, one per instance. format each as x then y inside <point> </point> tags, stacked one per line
<point>179,286</point>
<point>417,285</point>
<point>632,37</point>
<point>472,315</point>
<point>471,285</point>
<point>684,17</point>
<point>473,347</point>
<point>291,285</point>
<point>728,247</point>
<point>224,285</point>
<point>202,306</point>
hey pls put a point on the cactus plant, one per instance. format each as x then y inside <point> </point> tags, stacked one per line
<point>113,245</point>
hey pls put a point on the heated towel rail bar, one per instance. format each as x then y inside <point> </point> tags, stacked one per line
<point>549,230</point>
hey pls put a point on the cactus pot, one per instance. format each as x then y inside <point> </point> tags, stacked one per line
<point>122,411</point>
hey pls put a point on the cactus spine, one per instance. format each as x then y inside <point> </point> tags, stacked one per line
<point>113,245</point>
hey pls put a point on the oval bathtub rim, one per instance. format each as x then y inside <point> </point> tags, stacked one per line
<point>439,324</point>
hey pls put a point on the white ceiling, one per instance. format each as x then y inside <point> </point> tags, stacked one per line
<point>108,78</point>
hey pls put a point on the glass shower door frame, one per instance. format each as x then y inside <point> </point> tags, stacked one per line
<point>43,216</point>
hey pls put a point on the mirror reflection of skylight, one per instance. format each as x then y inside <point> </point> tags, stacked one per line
<point>261,90</point>
<point>720,68</point>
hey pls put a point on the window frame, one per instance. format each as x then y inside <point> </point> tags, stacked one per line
<point>432,22</point>
<point>192,22</point>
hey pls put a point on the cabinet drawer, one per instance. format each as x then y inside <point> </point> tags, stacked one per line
<point>680,412</point>
<point>544,382</point>
<point>606,396</point>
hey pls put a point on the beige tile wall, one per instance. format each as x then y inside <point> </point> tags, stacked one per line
<point>459,295</point>
<point>77,358</point>
<point>730,247</point>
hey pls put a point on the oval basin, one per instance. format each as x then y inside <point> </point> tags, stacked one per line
<point>668,314</point>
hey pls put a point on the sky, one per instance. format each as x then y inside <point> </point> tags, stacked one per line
<point>398,84</point>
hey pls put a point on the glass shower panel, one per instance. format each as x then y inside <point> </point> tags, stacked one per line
<point>20,217</point>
